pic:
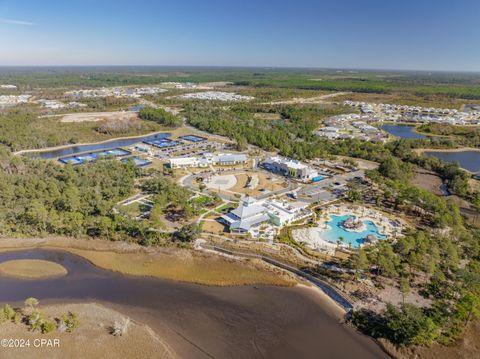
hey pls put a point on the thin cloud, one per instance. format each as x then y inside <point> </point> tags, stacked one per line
<point>17,22</point>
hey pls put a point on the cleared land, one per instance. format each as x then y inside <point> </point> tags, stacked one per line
<point>308,100</point>
<point>98,116</point>
<point>31,269</point>
<point>429,181</point>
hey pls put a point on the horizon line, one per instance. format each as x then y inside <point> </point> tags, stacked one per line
<point>243,67</point>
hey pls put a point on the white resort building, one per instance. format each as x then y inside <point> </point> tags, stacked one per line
<point>247,215</point>
<point>252,213</point>
<point>290,168</point>
<point>208,159</point>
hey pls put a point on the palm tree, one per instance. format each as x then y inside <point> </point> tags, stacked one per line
<point>31,302</point>
<point>340,241</point>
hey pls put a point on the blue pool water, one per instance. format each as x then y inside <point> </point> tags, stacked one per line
<point>355,239</point>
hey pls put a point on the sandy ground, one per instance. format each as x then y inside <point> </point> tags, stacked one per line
<point>97,116</point>
<point>212,226</point>
<point>92,339</point>
<point>361,163</point>
<point>31,269</point>
<point>428,181</point>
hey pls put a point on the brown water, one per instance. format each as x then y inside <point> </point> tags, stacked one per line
<point>202,321</point>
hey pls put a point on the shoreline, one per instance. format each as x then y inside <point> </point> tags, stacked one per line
<point>422,152</point>
<point>83,247</point>
<point>460,149</point>
<point>328,304</point>
<point>180,265</point>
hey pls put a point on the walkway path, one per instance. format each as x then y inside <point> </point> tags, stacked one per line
<point>340,298</point>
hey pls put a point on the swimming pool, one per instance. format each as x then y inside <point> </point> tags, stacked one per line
<point>352,238</point>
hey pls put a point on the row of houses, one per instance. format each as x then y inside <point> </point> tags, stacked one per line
<point>12,100</point>
<point>351,126</point>
<point>252,213</point>
<point>369,107</point>
<point>55,104</point>
<point>216,96</point>
<point>115,92</point>
<point>393,112</point>
<point>208,159</point>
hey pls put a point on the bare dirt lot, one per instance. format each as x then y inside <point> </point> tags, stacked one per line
<point>98,116</point>
<point>428,181</point>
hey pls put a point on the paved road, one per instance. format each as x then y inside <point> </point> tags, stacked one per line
<point>322,192</point>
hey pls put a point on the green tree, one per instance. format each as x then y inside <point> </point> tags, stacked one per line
<point>409,325</point>
<point>31,302</point>
<point>188,233</point>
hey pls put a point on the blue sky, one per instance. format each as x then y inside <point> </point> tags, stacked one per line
<point>387,34</point>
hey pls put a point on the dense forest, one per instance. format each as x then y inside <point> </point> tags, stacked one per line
<point>461,85</point>
<point>440,261</point>
<point>41,197</point>
<point>160,116</point>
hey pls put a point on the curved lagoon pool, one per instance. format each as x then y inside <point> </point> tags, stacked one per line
<point>352,238</point>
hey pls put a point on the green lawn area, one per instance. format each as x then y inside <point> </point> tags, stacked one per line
<point>135,209</point>
<point>226,207</point>
<point>203,200</point>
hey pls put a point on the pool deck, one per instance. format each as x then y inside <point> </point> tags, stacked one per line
<point>314,237</point>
